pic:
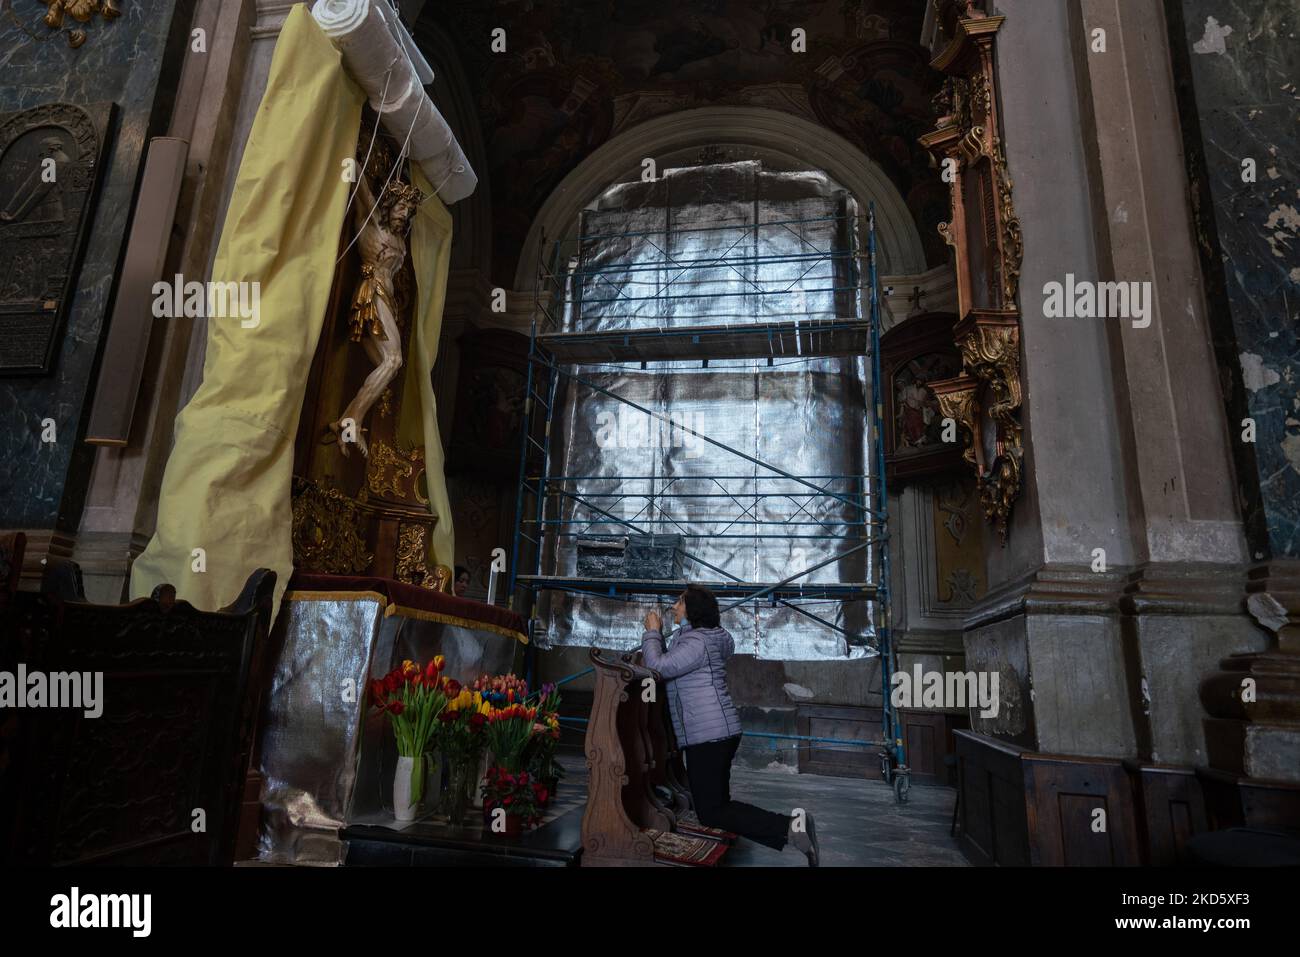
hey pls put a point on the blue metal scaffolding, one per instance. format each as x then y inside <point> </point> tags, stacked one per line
<point>555,350</point>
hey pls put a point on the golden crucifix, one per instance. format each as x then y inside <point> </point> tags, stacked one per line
<point>382,226</point>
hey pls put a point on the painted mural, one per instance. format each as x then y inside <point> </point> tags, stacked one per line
<point>578,72</point>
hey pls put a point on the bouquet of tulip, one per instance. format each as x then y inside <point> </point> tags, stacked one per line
<point>508,732</point>
<point>413,699</point>
<point>501,690</point>
<point>460,731</point>
<point>546,739</point>
<point>521,795</point>
<point>461,736</point>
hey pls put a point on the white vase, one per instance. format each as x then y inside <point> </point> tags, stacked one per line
<point>404,807</point>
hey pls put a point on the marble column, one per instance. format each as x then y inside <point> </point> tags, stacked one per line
<point>133,61</point>
<point>1182,604</point>
<point>1236,68</point>
<point>1123,576</point>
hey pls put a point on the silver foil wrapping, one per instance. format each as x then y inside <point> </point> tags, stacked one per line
<point>650,257</point>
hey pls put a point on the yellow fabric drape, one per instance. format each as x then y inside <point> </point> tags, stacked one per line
<point>226,486</point>
<point>418,423</point>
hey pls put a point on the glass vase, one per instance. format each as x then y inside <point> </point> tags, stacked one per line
<point>462,777</point>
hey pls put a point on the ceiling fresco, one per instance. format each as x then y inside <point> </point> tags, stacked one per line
<point>578,72</point>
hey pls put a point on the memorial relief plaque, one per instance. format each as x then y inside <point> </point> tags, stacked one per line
<point>50,158</point>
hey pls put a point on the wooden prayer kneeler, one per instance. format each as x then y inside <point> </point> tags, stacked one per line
<point>638,806</point>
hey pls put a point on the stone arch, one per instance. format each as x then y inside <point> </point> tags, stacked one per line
<point>798,141</point>
<point>452,92</point>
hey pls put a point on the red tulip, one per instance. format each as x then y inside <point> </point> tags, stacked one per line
<point>431,669</point>
<point>396,707</point>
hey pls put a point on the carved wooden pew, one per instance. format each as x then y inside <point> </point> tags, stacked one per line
<point>636,798</point>
<point>179,701</point>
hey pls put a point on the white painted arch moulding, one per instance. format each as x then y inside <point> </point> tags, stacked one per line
<point>800,140</point>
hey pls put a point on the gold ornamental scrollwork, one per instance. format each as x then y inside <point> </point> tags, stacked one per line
<point>395,471</point>
<point>1013,246</point>
<point>958,400</point>
<point>988,249</point>
<point>412,552</point>
<point>990,350</point>
<point>326,531</point>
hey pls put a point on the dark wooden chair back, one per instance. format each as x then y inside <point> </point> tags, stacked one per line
<point>156,778</point>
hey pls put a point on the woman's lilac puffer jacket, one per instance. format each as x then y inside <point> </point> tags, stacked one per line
<point>695,671</point>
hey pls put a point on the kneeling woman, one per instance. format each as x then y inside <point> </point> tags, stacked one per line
<point>706,723</point>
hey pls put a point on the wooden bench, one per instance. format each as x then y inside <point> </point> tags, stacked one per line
<point>638,806</point>
<point>156,777</point>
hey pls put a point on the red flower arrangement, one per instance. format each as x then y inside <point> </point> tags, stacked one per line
<point>413,699</point>
<point>508,732</point>
<point>520,795</point>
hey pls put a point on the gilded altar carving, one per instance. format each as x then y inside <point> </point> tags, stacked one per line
<point>412,563</point>
<point>1012,241</point>
<point>412,552</point>
<point>326,531</point>
<point>394,472</point>
<point>990,348</point>
<point>957,401</point>
<point>988,248</point>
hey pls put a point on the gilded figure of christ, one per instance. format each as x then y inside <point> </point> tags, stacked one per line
<point>381,241</point>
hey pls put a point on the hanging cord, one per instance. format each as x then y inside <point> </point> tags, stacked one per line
<point>374,134</point>
<point>459,168</point>
<point>379,196</point>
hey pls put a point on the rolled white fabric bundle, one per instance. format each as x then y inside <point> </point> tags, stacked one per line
<point>453,172</point>
<point>375,49</point>
<point>372,55</point>
<point>340,17</point>
<point>422,68</point>
<point>429,132</point>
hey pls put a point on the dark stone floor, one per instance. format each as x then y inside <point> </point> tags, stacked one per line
<point>859,824</point>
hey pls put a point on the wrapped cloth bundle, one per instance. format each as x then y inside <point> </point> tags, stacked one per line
<point>384,60</point>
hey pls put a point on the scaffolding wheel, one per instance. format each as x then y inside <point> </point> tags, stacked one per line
<point>902,784</point>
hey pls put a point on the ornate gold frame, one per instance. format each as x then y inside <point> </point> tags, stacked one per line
<point>985,235</point>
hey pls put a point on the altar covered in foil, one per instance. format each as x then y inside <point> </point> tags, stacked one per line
<point>324,756</point>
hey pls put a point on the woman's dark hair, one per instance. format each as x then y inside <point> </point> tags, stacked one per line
<point>701,607</point>
<point>460,570</point>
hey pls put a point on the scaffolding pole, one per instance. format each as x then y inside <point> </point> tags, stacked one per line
<point>557,292</point>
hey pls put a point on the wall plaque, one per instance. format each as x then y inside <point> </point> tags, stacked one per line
<point>50,157</point>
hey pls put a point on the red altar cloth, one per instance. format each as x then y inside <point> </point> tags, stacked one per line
<point>412,601</point>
